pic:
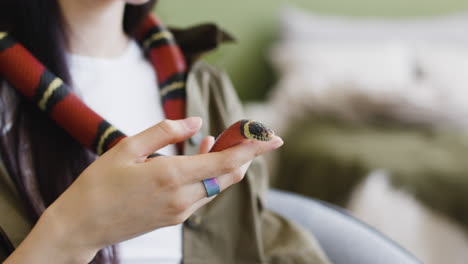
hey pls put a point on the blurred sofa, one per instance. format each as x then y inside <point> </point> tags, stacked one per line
<point>374,113</point>
<point>372,110</point>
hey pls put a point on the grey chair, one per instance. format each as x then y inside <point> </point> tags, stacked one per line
<point>344,239</point>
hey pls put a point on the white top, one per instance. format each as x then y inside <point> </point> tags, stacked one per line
<point>124,91</point>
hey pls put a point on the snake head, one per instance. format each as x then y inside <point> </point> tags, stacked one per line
<point>251,129</point>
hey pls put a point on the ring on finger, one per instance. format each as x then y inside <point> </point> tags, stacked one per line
<point>211,186</point>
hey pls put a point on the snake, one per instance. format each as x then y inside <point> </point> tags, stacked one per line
<point>240,131</point>
<point>235,134</point>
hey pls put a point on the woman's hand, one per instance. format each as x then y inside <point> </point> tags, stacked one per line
<point>122,195</point>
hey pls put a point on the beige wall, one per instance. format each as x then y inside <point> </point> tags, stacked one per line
<point>253,22</point>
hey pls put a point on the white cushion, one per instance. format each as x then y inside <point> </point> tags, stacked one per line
<point>298,25</point>
<point>413,70</point>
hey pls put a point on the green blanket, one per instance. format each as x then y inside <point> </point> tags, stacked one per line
<point>326,159</point>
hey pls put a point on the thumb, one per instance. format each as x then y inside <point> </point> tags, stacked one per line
<point>206,144</point>
<point>164,133</point>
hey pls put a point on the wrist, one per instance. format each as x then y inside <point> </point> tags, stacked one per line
<point>68,239</point>
<point>52,241</point>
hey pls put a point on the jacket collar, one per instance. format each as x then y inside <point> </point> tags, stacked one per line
<point>200,39</point>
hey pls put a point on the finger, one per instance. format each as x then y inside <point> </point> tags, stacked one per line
<point>206,144</point>
<point>227,161</point>
<point>191,169</point>
<point>164,133</point>
<point>227,180</point>
<point>224,181</point>
<point>197,205</point>
<point>193,192</point>
<point>199,192</point>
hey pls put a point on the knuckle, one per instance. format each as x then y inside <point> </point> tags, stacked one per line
<point>168,126</point>
<point>127,144</point>
<point>237,175</point>
<point>257,150</point>
<point>260,151</point>
<point>168,181</point>
<point>169,177</point>
<point>228,165</point>
<point>180,204</point>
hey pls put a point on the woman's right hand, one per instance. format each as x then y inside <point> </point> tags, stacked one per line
<point>122,195</point>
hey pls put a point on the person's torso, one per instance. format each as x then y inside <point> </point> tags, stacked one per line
<point>124,91</point>
<point>233,228</point>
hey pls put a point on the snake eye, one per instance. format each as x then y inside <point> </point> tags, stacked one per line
<point>256,130</point>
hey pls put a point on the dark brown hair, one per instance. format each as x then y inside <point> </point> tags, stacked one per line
<point>41,158</point>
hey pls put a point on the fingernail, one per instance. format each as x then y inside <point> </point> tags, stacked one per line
<point>193,122</point>
<point>277,142</point>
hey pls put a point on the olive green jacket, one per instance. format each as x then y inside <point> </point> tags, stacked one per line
<point>235,227</point>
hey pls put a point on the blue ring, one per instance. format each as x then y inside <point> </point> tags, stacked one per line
<point>211,186</point>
